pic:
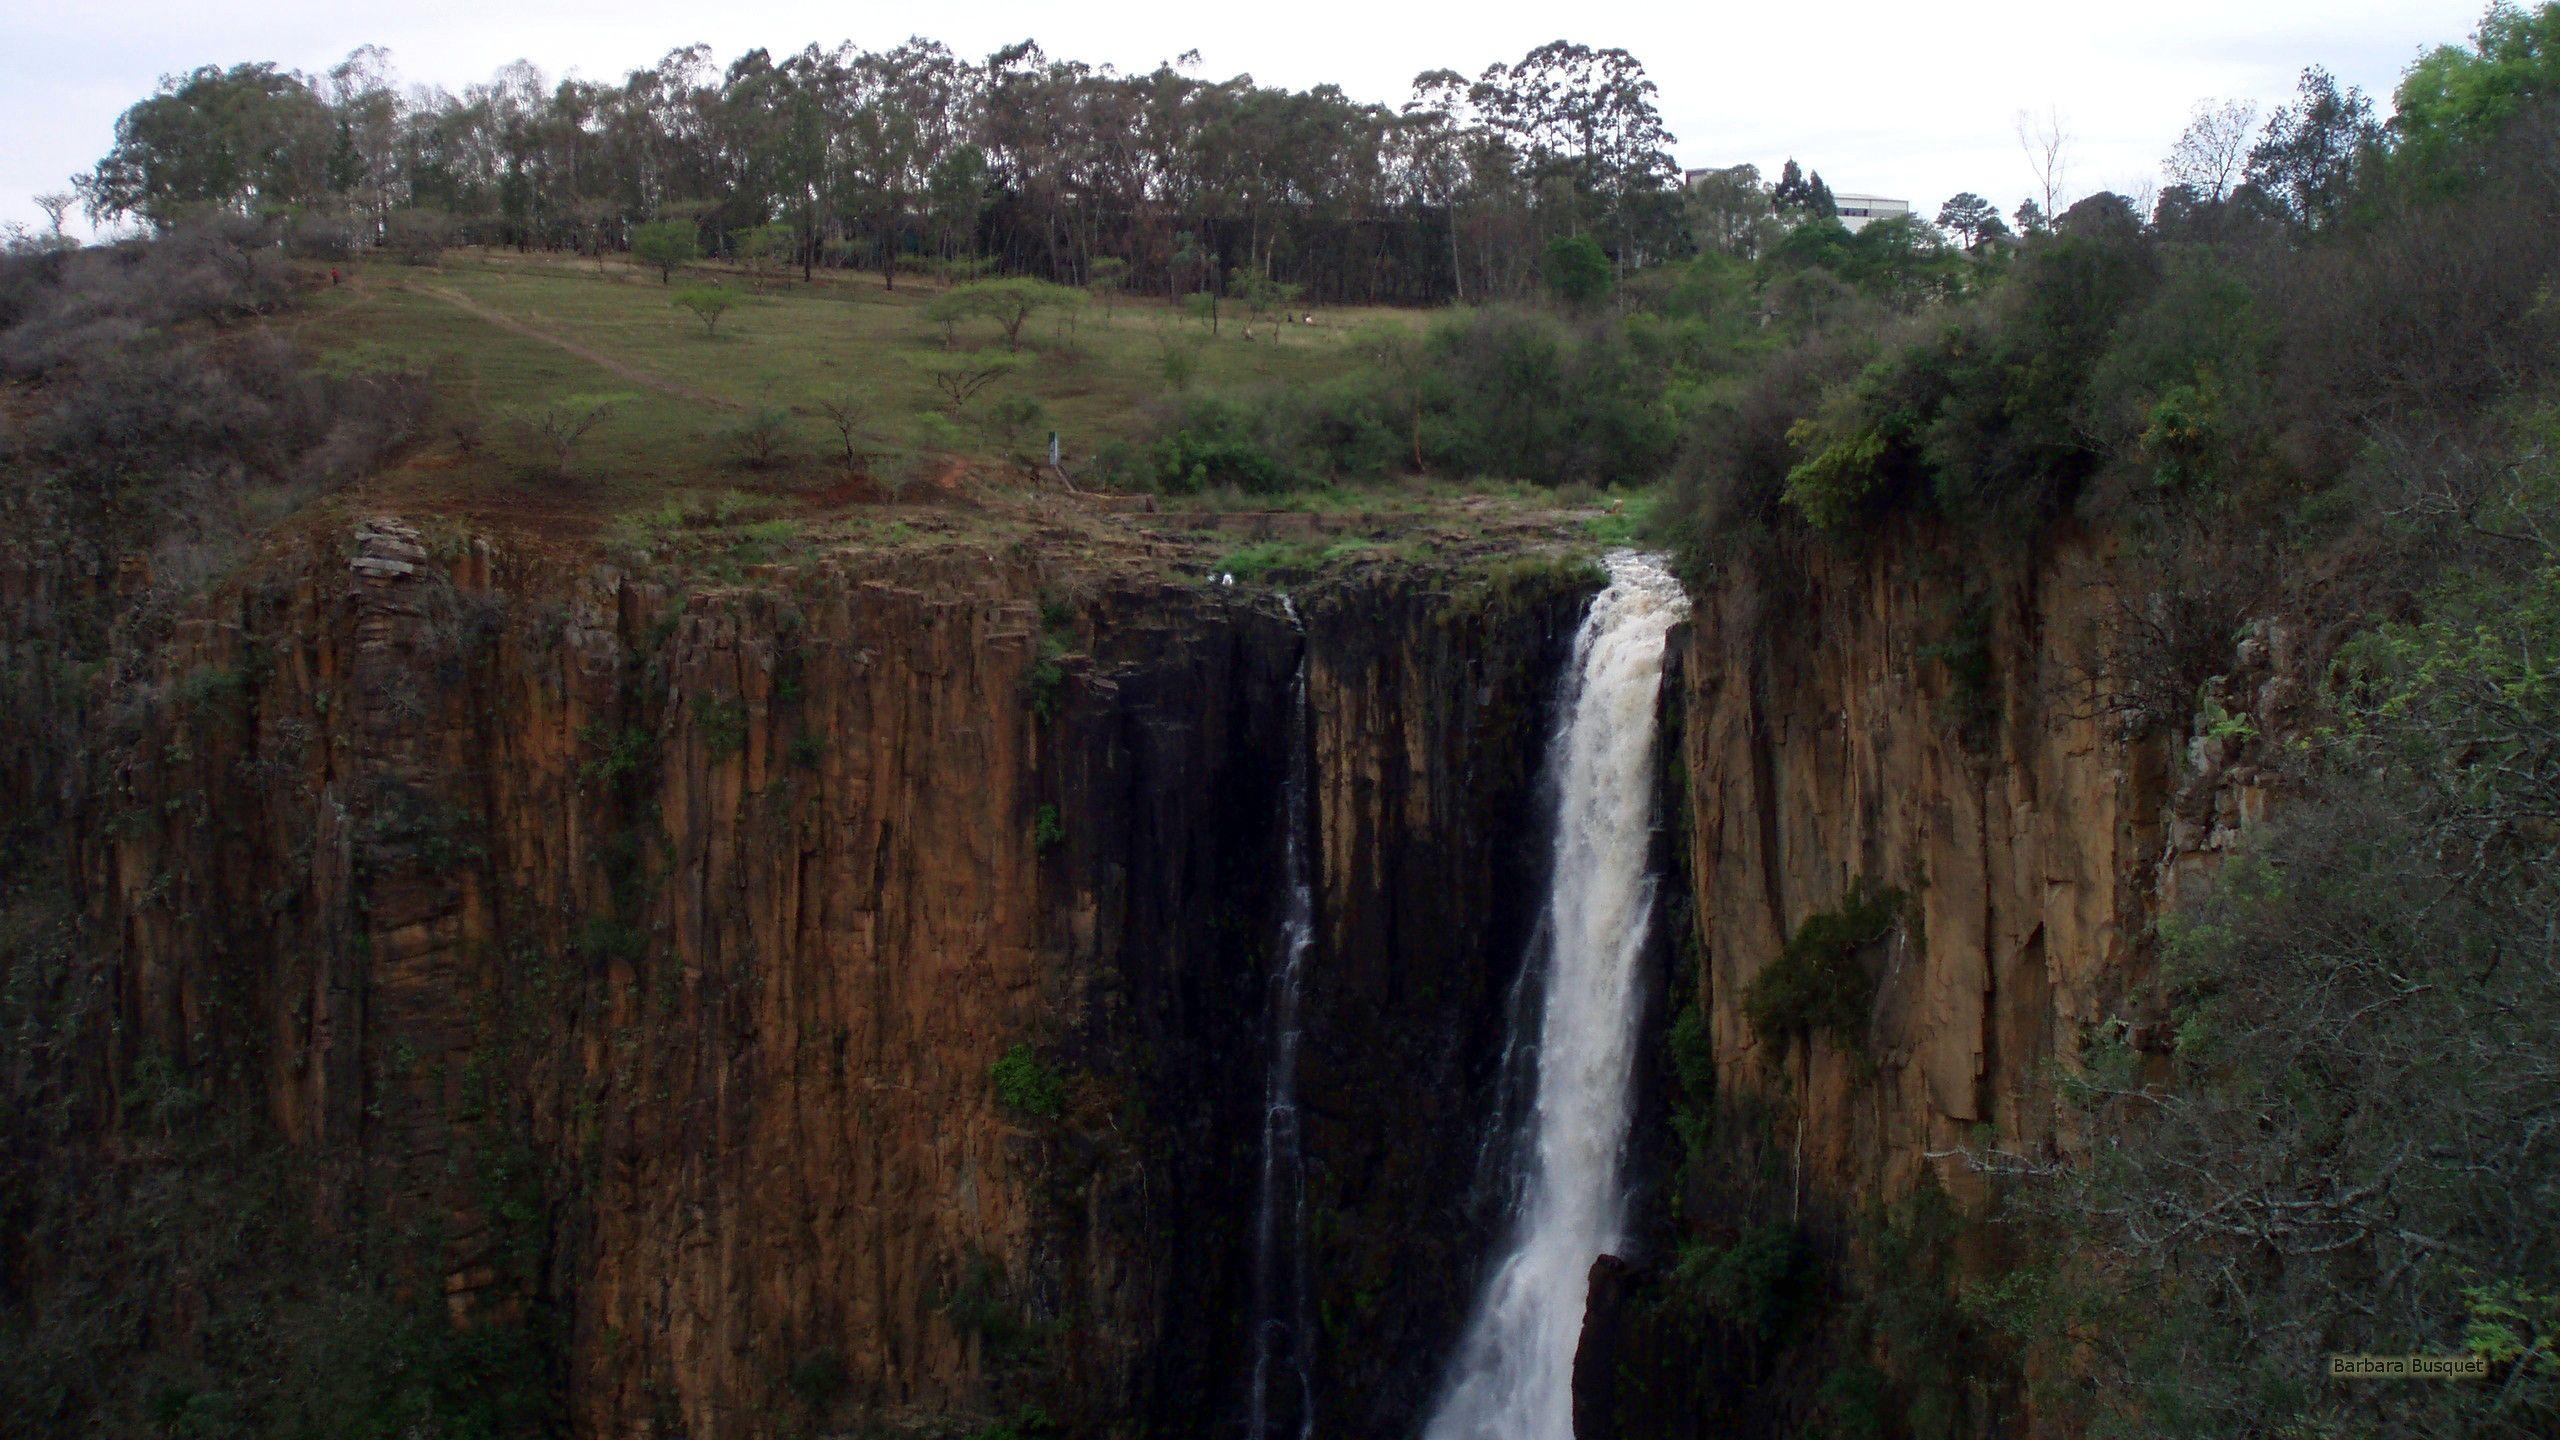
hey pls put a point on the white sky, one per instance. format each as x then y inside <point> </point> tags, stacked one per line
<point>1882,96</point>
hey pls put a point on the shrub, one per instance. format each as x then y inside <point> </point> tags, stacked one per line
<point>1819,983</point>
<point>547,434</point>
<point>1047,676</point>
<point>932,430</point>
<point>721,720</point>
<point>1017,418</point>
<point>1026,1086</point>
<point>850,416</point>
<point>1833,485</point>
<point>1760,1283</point>
<point>816,1380</point>
<point>960,378</point>
<point>706,303</point>
<point>768,248</point>
<point>665,246</point>
<point>1028,1423</point>
<point>320,237</point>
<point>1047,830</point>
<point>1517,394</point>
<point>759,439</point>
<point>1010,303</point>
<point>1215,442</point>
<point>2346,1147</point>
<point>1575,267</point>
<point>417,236</point>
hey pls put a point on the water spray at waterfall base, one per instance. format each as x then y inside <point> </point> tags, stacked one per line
<point>1512,1375</point>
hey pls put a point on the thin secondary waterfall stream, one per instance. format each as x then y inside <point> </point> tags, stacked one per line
<point>1282,1331</point>
<point>1512,1375</point>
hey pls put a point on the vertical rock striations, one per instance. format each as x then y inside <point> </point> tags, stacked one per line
<point>639,958</point>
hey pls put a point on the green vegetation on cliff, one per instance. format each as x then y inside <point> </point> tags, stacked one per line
<point>2316,410</point>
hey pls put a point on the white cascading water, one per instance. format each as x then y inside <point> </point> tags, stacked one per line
<point>1282,1331</point>
<point>1512,1375</point>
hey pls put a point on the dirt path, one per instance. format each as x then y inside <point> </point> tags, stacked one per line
<point>633,373</point>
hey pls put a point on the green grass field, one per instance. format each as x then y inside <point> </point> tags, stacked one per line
<point>658,481</point>
<point>791,346</point>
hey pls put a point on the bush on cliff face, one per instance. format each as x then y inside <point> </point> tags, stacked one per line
<point>1761,1282</point>
<point>1026,1085</point>
<point>1820,983</point>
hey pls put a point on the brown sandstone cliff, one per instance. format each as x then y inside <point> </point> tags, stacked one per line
<point>1901,715</point>
<point>633,954</point>
<point>636,955</point>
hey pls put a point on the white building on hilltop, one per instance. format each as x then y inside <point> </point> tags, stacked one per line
<point>1858,211</point>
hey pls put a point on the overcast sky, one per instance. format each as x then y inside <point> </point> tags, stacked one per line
<point>1883,96</point>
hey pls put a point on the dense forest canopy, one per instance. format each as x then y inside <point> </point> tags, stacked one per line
<point>911,154</point>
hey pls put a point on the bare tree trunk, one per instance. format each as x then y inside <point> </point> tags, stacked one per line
<point>1457,266</point>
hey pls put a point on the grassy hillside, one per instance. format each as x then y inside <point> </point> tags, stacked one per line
<point>716,447</point>
<point>502,335</point>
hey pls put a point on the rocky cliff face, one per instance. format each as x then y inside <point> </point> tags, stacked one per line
<point>1888,721</point>
<point>639,958</point>
<point>1882,722</point>
<point>834,997</point>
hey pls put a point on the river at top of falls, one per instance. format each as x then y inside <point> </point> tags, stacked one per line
<point>1511,1377</point>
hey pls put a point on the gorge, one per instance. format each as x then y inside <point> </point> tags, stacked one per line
<point>668,958</point>
<point>664,778</point>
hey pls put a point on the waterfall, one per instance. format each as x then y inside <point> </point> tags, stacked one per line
<point>1512,1375</point>
<point>1282,1331</point>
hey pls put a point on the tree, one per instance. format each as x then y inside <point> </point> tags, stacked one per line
<point>1820,242</point>
<point>2455,95</point>
<point>956,197</point>
<point>768,247</point>
<point>1727,209</point>
<point>2307,162</point>
<point>1262,295</point>
<point>666,245</point>
<point>1817,201</point>
<point>1585,126</point>
<point>2213,150</point>
<point>1431,139</point>
<point>549,433</point>
<point>2047,147</point>
<point>1576,269</point>
<point>959,378</point>
<point>759,439</point>
<point>706,303</point>
<point>1900,261</point>
<point>1105,277</point>
<point>849,415</point>
<point>1791,194</point>
<point>1191,257</point>
<point>1009,302</point>
<point>247,140</point>
<point>55,205</point>
<point>1971,217</point>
